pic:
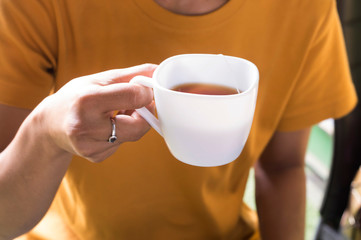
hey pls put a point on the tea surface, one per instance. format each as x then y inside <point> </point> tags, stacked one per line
<point>206,89</point>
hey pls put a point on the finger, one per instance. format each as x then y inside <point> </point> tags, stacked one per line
<point>130,128</point>
<point>100,151</point>
<point>123,75</point>
<point>101,156</point>
<point>122,96</point>
<point>96,148</point>
<point>150,107</point>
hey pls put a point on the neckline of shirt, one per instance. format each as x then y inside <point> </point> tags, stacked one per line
<point>162,16</point>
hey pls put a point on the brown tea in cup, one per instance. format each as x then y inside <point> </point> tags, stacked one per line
<point>205,88</point>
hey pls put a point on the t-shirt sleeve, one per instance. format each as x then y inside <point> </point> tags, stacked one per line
<point>324,87</point>
<point>27,52</point>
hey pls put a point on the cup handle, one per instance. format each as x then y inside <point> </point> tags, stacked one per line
<point>144,112</point>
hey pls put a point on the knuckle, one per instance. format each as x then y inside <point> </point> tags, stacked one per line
<point>139,96</point>
<point>149,66</point>
<point>133,96</point>
<point>77,135</point>
<point>85,100</point>
<point>74,130</point>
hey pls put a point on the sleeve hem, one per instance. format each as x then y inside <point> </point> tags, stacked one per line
<point>315,115</point>
<point>23,97</point>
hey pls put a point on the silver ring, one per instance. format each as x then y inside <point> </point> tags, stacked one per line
<point>113,136</point>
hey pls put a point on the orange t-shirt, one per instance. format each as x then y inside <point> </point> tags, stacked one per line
<point>142,192</point>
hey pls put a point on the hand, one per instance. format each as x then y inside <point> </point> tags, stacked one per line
<point>77,117</point>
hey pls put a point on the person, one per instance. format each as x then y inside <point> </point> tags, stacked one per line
<point>64,71</point>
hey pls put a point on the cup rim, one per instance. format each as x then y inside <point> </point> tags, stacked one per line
<point>163,63</point>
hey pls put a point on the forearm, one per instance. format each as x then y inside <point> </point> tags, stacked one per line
<point>31,169</point>
<point>73,121</point>
<point>280,197</point>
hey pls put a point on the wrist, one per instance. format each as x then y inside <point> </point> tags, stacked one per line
<point>36,132</point>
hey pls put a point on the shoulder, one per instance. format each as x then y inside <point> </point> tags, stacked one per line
<point>305,10</point>
<point>307,16</point>
<point>311,6</point>
<point>312,9</point>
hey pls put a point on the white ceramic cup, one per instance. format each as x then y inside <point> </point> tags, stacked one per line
<point>203,130</point>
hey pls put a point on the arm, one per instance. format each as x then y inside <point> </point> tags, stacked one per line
<point>29,176</point>
<point>280,186</point>
<point>75,120</point>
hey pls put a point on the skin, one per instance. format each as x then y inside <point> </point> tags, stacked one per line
<point>73,123</point>
<point>191,7</point>
<point>281,186</point>
<point>36,159</point>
